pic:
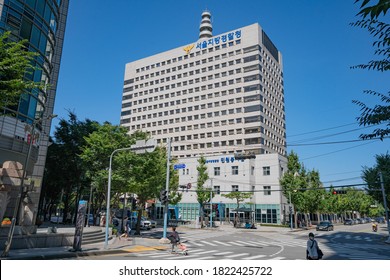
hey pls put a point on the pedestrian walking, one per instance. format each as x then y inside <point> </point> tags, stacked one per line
<point>174,238</point>
<point>313,252</point>
<point>126,229</point>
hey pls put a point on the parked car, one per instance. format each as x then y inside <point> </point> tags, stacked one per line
<point>348,222</point>
<point>325,225</point>
<point>57,219</point>
<point>144,224</point>
<point>153,224</point>
<point>380,220</point>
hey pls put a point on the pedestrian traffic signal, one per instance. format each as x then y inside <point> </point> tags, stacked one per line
<point>290,209</point>
<point>163,196</point>
<point>244,156</point>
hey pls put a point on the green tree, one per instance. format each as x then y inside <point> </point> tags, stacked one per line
<point>380,30</point>
<point>202,193</point>
<point>96,155</point>
<point>371,177</point>
<point>15,62</point>
<point>294,182</point>
<point>148,178</point>
<point>65,171</point>
<point>315,193</point>
<point>239,197</point>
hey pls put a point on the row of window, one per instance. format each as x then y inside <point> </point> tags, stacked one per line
<point>195,80</point>
<point>197,53</point>
<point>196,98</point>
<point>235,188</point>
<point>228,143</point>
<point>234,170</point>
<point>198,80</point>
<point>176,103</point>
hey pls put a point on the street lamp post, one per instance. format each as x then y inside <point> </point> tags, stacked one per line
<point>16,214</point>
<point>290,209</point>
<point>109,193</point>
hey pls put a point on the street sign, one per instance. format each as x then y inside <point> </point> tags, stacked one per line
<point>179,166</point>
<point>142,146</point>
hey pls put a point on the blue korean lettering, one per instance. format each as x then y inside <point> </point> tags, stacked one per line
<point>211,42</point>
<point>222,160</point>
<point>232,159</point>
<point>231,36</point>
<point>204,44</point>
<point>217,39</point>
<point>227,159</point>
<point>224,38</point>
<point>199,45</point>
<point>238,34</point>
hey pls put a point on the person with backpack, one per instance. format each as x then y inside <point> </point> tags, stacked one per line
<point>313,252</point>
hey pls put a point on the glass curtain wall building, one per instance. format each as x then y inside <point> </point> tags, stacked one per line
<point>27,126</point>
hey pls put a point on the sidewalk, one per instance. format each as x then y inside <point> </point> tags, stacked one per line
<point>114,246</point>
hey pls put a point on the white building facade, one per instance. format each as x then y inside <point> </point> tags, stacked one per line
<point>259,176</point>
<point>216,97</point>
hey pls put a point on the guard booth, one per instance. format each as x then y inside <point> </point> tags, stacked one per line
<point>242,217</point>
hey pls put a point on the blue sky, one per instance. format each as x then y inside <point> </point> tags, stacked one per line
<point>318,47</point>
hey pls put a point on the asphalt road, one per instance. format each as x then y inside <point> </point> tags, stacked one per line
<point>355,242</point>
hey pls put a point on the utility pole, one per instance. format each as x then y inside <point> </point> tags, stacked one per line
<point>385,205</point>
<point>290,209</point>
<point>211,203</point>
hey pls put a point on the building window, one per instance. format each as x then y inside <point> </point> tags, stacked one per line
<point>252,170</point>
<point>217,171</point>
<point>267,190</point>
<point>234,188</point>
<point>234,170</point>
<point>266,170</point>
<point>217,189</point>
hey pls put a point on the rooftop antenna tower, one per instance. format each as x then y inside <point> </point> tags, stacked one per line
<point>206,28</point>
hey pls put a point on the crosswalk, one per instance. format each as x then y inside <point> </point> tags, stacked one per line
<point>251,249</point>
<point>200,254</point>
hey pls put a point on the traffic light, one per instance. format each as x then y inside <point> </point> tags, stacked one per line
<point>244,156</point>
<point>290,209</point>
<point>339,192</point>
<point>163,196</point>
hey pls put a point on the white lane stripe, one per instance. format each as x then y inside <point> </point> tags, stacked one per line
<point>255,257</point>
<point>259,243</point>
<point>223,253</point>
<point>278,258</point>
<point>205,258</point>
<point>246,243</point>
<point>197,244</point>
<point>235,243</point>
<point>208,243</point>
<point>205,252</point>
<point>223,243</point>
<point>238,255</point>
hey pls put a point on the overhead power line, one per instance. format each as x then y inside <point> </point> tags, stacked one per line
<point>337,142</point>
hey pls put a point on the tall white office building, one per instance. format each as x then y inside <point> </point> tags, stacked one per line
<point>218,96</point>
